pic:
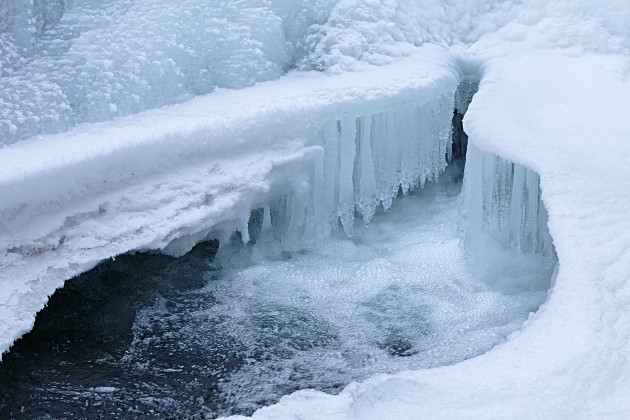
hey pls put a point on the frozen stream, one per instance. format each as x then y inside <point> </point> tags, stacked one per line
<point>199,335</point>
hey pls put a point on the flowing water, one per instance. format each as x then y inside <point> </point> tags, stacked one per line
<point>215,334</point>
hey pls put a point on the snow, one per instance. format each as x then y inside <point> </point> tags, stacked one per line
<point>554,84</point>
<point>68,62</point>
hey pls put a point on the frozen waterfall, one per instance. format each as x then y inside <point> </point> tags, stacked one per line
<point>208,205</point>
<point>366,160</point>
<point>503,199</point>
<point>311,169</point>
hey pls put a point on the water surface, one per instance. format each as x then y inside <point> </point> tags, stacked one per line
<point>206,335</point>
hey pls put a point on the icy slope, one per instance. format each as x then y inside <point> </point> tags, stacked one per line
<point>169,176</point>
<point>559,113</point>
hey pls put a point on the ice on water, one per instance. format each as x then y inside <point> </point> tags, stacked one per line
<point>397,295</point>
<point>333,280</point>
<point>393,288</point>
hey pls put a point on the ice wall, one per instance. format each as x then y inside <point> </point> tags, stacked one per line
<point>306,153</point>
<point>503,199</point>
<point>366,161</point>
<point>68,62</point>
<point>307,149</point>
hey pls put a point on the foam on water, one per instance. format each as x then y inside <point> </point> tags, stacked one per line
<point>212,340</point>
<point>399,296</point>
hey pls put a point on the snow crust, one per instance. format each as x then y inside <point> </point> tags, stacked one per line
<point>555,82</point>
<point>68,62</point>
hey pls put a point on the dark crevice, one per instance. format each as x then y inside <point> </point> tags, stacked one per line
<point>460,138</point>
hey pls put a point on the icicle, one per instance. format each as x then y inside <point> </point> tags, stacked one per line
<point>474,197</point>
<point>278,216</point>
<point>320,209</point>
<point>242,223</point>
<point>545,245</point>
<point>424,148</point>
<point>367,185</point>
<point>379,145</point>
<point>298,210</point>
<point>488,180</point>
<point>531,216</point>
<point>346,169</point>
<point>392,160</point>
<point>265,234</point>
<point>365,161</point>
<point>502,199</point>
<point>445,120</point>
<point>406,137</point>
<point>330,133</point>
<point>517,206</point>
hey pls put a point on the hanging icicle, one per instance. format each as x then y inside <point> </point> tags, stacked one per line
<point>502,199</point>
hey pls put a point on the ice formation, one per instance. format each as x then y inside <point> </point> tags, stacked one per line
<point>67,62</point>
<point>503,200</point>
<point>545,125</point>
<point>368,158</point>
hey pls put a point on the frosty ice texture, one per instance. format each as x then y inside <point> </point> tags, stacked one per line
<point>366,160</point>
<point>503,199</point>
<point>67,62</point>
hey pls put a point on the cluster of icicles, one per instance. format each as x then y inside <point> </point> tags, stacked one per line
<point>359,163</point>
<point>503,199</point>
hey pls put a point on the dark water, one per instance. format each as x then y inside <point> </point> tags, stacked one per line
<point>77,353</point>
<point>150,336</point>
<point>134,338</point>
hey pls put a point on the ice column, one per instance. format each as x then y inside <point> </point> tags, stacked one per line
<point>502,199</point>
<point>368,158</point>
<point>356,163</point>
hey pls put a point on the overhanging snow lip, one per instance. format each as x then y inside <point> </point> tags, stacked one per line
<point>200,127</point>
<point>416,79</point>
